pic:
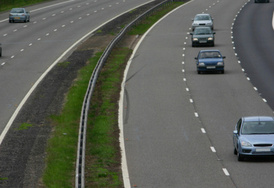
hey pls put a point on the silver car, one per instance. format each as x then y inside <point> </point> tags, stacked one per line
<point>254,136</point>
<point>19,14</point>
<point>202,20</point>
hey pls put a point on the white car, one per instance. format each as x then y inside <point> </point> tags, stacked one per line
<point>202,20</point>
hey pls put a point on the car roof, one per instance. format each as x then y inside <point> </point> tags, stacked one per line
<point>258,118</point>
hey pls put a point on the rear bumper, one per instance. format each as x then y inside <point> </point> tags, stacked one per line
<point>18,18</point>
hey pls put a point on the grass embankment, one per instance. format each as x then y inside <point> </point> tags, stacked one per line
<point>9,4</point>
<point>102,149</point>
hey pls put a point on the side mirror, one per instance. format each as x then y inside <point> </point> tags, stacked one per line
<point>196,58</point>
<point>235,132</point>
<point>214,32</point>
<point>223,57</point>
<point>191,33</point>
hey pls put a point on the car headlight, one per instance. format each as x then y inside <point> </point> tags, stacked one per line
<point>210,38</point>
<point>220,64</point>
<point>245,144</point>
<point>201,64</point>
<point>195,39</point>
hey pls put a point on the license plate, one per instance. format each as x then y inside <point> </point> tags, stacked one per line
<point>17,18</point>
<point>263,150</point>
<point>210,67</point>
<point>202,41</point>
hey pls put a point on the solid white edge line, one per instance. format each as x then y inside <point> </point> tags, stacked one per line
<point>273,20</point>
<point>125,173</point>
<point>7,127</point>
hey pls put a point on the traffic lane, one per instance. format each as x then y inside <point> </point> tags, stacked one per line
<point>255,47</point>
<point>22,52</point>
<point>171,34</point>
<point>221,100</point>
<point>165,146</point>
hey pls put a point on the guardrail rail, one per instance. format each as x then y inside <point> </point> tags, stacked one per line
<point>80,162</point>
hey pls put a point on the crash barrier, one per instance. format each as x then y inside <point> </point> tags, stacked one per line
<point>80,162</point>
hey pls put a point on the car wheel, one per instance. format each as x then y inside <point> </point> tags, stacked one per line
<point>235,151</point>
<point>199,72</point>
<point>9,21</point>
<point>240,157</point>
<point>222,71</point>
<point>193,45</point>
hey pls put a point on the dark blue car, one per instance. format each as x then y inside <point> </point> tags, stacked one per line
<point>209,61</point>
<point>254,136</point>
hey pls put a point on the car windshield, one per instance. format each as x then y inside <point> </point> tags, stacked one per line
<point>17,10</point>
<point>202,31</point>
<point>209,55</point>
<point>258,127</point>
<point>201,17</point>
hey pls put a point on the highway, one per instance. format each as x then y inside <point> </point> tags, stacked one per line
<point>177,124</point>
<point>253,35</point>
<point>31,49</point>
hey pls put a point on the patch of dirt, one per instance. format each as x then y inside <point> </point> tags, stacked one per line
<point>23,152</point>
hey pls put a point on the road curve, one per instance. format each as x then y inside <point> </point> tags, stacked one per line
<point>29,49</point>
<point>178,124</point>
<point>254,36</point>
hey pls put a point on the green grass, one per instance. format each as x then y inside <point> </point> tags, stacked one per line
<point>103,152</point>
<point>62,147</point>
<point>102,137</point>
<point>24,126</point>
<point>144,25</point>
<point>8,4</point>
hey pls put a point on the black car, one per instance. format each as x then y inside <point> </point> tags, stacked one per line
<point>202,36</point>
<point>261,1</point>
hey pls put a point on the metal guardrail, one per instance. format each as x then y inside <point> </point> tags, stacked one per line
<point>80,163</point>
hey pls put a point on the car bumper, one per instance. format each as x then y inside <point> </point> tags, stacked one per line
<point>203,43</point>
<point>210,68</point>
<point>257,151</point>
<point>17,18</point>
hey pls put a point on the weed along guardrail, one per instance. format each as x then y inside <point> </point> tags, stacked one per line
<point>80,163</point>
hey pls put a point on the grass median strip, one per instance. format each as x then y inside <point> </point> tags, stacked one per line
<point>61,152</point>
<point>102,144</point>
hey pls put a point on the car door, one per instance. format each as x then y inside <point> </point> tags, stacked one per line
<point>236,133</point>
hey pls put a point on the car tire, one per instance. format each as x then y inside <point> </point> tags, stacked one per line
<point>199,72</point>
<point>9,21</point>
<point>240,157</point>
<point>223,71</point>
<point>235,151</point>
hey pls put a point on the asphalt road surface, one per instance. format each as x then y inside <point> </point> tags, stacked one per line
<point>254,36</point>
<point>29,49</point>
<point>177,124</point>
